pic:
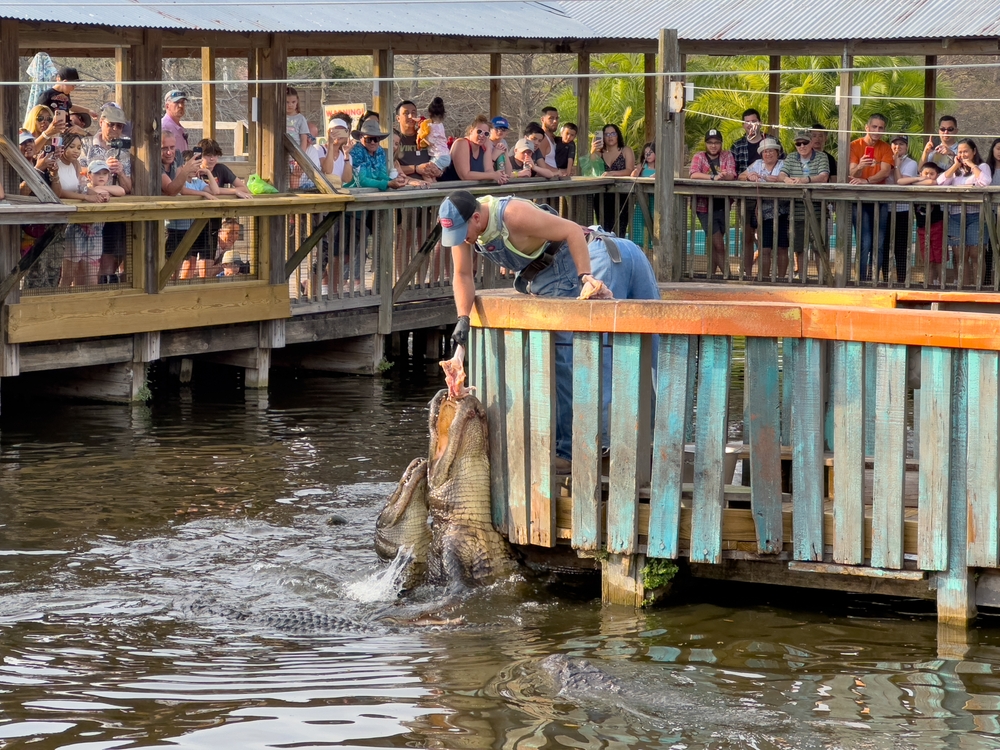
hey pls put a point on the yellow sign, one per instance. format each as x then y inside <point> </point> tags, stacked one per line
<point>354,110</point>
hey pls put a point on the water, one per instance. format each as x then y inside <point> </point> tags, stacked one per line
<point>141,548</point>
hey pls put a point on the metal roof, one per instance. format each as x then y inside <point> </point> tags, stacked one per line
<point>789,20</point>
<point>547,20</point>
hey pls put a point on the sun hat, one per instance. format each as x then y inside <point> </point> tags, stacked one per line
<point>113,115</point>
<point>769,143</point>
<point>231,256</point>
<point>454,215</point>
<point>371,129</point>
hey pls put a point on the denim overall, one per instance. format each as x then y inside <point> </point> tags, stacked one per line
<point>629,276</point>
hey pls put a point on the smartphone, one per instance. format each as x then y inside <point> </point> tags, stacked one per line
<point>57,141</point>
<point>869,152</point>
<point>197,152</point>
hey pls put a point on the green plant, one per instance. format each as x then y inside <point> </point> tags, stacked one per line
<point>658,573</point>
<point>384,365</point>
<point>144,394</point>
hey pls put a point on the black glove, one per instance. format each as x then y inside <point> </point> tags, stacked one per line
<point>460,336</point>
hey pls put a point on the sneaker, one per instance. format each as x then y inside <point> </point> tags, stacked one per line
<point>563,466</point>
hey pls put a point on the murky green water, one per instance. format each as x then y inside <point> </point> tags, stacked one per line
<point>142,548</point>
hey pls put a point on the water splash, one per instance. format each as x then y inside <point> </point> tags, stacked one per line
<point>383,585</point>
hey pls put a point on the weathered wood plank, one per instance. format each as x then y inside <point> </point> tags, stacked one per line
<point>870,389</point>
<point>789,346</point>
<point>764,425</point>
<point>807,453</point>
<point>890,456</point>
<point>496,396</point>
<point>587,368</point>
<point>631,365</point>
<point>673,416</point>
<point>858,571</point>
<point>542,442</point>
<point>516,411</point>
<point>174,262</point>
<point>956,600</point>
<point>983,458</point>
<point>710,448</point>
<point>475,362</point>
<point>935,456</point>
<point>849,448</point>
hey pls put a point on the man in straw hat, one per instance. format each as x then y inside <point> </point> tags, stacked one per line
<point>552,257</point>
<point>371,169</point>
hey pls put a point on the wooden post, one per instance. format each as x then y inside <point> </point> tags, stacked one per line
<point>208,113</point>
<point>385,237</point>
<point>649,94</point>
<point>773,93</point>
<point>496,70</point>
<point>621,580</point>
<point>253,93</point>
<point>930,94</point>
<point>122,68</point>
<point>272,162</point>
<point>843,261</point>
<point>583,103</point>
<point>146,107</point>
<point>383,71</point>
<point>668,250</point>
<point>10,235</point>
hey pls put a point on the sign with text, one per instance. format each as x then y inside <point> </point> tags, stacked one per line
<point>354,110</point>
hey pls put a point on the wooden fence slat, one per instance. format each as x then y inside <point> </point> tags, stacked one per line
<point>493,369</point>
<point>673,416</point>
<point>542,440</point>
<point>983,458</point>
<point>849,450</point>
<point>788,349</point>
<point>630,404</point>
<point>807,453</point>
<point>692,382</point>
<point>870,388</point>
<point>711,431</point>
<point>516,411</point>
<point>956,597</point>
<point>935,457</point>
<point>587,366</point>
<point>475,363</point>
<point>763,420</point>
<point>890,456</point>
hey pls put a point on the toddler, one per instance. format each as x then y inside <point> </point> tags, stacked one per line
<point>431,135</point>
<point>929,173</point>
<point>99,175</point>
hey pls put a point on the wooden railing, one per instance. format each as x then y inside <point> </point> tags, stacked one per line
<point>831,396</point>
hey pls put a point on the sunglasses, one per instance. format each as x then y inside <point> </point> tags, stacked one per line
<point>369,139</point>
<point>482,133</point>
<point>947,130</point>
<point>115,125</point>
<point>44,119</point>
<point>801,143</point>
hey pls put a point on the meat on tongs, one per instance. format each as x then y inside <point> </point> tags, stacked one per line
<point>454,374</point>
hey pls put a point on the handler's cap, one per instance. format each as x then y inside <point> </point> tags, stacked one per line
<point>98,166</point>
<point>500,123</point>
<point>454,215</point>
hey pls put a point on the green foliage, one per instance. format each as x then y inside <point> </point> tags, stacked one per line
<point>809,95</point>
<point>318,67</point>
<point>384,365</point>
<point>144,394</point>
<point>658,573</point>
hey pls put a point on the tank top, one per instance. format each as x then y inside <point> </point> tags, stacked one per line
<point>68,177</point>
<point>475,164</point>
<point>494,242</point>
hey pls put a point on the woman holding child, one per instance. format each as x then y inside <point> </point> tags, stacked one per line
<point>967,169</point>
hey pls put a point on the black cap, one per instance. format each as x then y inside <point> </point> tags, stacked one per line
<point>68,74</point>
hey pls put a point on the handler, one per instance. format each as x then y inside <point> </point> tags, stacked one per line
<point>553,257</point>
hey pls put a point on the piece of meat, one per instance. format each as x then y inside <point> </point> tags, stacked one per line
<point>454,374</point>
<point>595,289</point>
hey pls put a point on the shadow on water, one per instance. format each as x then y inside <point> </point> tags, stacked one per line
<point>142,549</point>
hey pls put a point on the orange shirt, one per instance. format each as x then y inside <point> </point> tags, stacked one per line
<point>883,155</point>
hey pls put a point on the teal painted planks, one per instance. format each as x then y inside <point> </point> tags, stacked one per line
<point>890,456</point>
<point>711,432</point>
<point>870,371</point>
<point>983,459</point>
<point>788,349</point>
<point>807,452</point>
<point>673,416</point>
<point>587,359</point>
<point>474,359</point>
<point>692,382</point>
<point>542,437</point>
<point>629,423</point>
<point>763,423</point>
<point>935,454</point>
<point>956,588</point>
<point>516,412</point>
<point>495,387</point>
<point>849,450</point>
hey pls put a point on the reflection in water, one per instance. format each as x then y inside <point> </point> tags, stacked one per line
<point>142,551</point>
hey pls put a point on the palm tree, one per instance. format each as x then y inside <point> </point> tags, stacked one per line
<point>619,99</point>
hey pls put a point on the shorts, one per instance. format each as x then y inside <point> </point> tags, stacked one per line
<point>441,162</point>
<point>767,232</point>
<point>718,221</point>
<point>84,242</point>
<point>937,241</point>
<point>971,229</point>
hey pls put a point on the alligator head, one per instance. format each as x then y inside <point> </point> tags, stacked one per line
<point>402,524</point>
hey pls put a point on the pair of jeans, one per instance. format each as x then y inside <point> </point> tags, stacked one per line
<point>866,237</point>
<point>632,278</point>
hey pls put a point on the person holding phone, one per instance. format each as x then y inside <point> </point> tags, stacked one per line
<point>943,152</point>
<point>967,168</point>
<point>871,162</point>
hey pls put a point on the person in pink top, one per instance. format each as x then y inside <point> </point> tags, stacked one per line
<point>714,163</point>
<point>968,169</point>
<point>174,105</point>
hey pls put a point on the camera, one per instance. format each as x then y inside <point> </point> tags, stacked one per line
<point>120,143</point>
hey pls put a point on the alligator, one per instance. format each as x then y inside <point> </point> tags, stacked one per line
<point>453,485</point>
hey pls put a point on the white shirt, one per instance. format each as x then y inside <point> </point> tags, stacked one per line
<point>550,158</point>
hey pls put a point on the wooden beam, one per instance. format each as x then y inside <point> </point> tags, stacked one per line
<point>9,105</point>
<point>583,103</point>
<point>310,242</point>
<point>496,70</point>
<point>773,92</point>
<point>24,169</point>
<point>144,104</point>
<point>930,94</point>
<point>843,259</point>
<point>180,252</point>
<point>383,63</point>
<point>668,258</point>
<point>272,159</point>
<point>649,95</point>
<point>121,74</point>
<point>208,108</point>
<point>313,172</point>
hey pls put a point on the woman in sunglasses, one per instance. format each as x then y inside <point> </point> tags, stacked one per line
<point>44,125</point>
<point>472,157</point>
